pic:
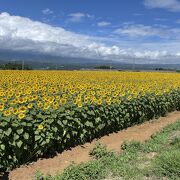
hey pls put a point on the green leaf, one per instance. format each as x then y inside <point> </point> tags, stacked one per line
<point>68,136</point>
<point>25,147</point>
<point>74,132</point>
<point>8,132</point>
<point>98,119</point>
<point>2,146</point>
<point>16,136</point>
<point>29,124</point>
<point>54,116</point>
<point>47,140</point>
<point>29,118</point>
<point>19,143</point>
<point>84,115</point>
<point>81,136</point>
<point>55,129</point>
<point>20,131</point>
<point>60,122</point>
<point>89,124</point>
<point>65,122</point>
<point>77,120</point>
<point>26,136</point>
<point>101,126</point>
<point>37,138</point>
<point>23,123</point>
<point>64,132</point>
<point>91,113</point>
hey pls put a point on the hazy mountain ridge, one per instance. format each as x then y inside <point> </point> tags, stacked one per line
<point>41,61</point>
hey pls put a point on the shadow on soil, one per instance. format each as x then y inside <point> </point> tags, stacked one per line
<point>4,176</point>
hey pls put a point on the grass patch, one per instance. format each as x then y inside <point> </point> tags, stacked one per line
<point>157,158</point>
<point>100,151</point>
<point>167,164</point>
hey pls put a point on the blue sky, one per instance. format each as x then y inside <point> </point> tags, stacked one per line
<point>115,12</point>
<point>147,30</point>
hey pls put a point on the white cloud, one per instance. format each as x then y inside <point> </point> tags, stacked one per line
<point>171,5</point>
<point>178,21</point>
<point>47,11</point>
<point>78,17</point>
<point>103,23</point>
<point>161,19</point>
<point>137,30</point>
<point>140,30</point>
<point>23,34</point>
<point>137,14</point>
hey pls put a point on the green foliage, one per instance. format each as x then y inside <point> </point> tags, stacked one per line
<point>131,164</point>
<point>104,67</point>
<point>131,146</point>
<point>100,151</point>
<point>15,66</point>
<point>38,175</point>
<point>21,140</point>
<point>176,141</point>
<point>91,170</point>
<point>168,164</point>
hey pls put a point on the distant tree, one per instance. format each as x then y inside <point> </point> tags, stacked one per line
<point>164,69</point>
<point>14,66</point>
<point>104,67</point>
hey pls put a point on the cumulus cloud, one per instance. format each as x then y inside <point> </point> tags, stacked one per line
<point>171,5</point>
<point>23,34</point>
<point>103,23</point>
<point>47,11</point>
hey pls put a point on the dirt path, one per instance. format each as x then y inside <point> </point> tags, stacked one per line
<point>80,153</point>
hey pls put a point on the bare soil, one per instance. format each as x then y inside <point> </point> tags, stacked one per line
<point>79,154</point>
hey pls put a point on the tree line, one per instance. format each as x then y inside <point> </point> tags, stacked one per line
<point>15,66</point>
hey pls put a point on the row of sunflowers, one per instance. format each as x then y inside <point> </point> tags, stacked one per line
<point>42,112</point>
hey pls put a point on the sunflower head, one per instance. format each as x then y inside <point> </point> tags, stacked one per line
<point>1,107</point>
<point>40,126</point>
<point>30,106</point>
<point>22,109</point>
<point>21,116</point>
<point>7,113</point>
<point>80,105</point>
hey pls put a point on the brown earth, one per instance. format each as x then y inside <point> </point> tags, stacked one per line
<point>79,154</point>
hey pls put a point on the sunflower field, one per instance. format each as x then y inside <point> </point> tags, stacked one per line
<point>42,112</point>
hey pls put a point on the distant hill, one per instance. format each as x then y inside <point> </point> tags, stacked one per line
<point>41,61</point>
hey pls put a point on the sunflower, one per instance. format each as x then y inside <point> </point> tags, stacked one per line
<point>99,101</point>
<point>29,106</point>
<point>7,113</point>
<point>86,101</point>
<point>30,98</point>
<point>79,105</point>
<point>40,127</point>
<point>1,107</point>
<point>4,99</point>
<point>23,109</point>
<point>39,104</point>
<point>21,116</point>
<point>46,107</point>
<point>21,100</point>
<point>11,109</point>
<point>16,111</point>
<point>63,101</point>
